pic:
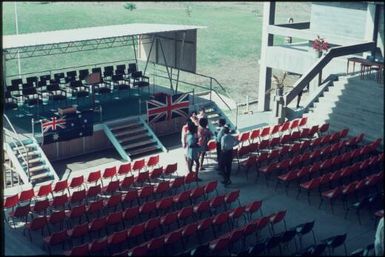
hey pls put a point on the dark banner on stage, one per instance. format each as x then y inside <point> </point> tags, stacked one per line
<point>67,127</point>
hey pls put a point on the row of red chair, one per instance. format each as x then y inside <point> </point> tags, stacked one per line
<point>146,228</point>
<point>352,188</point>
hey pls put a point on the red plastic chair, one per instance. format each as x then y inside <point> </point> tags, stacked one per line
<point>172,239</point>
<point>190,178</point>
<point>135,231</point>
<point>286,178</point>
<point>40,206</point>
<point>130,214</point>
<point>302,122</point>
<point>268,171</point>
<point>255,134</point>
<point>94,207</point>
<point>219,245</point>
<point>55,239</point>
<point>93,192</point>
<point>75,212</point>
<point>130,197</point>
<point>343,133</point>
<point>324,127</point>
<point>155,245</point>
<point>201,208</point>
<point>44,191</point>
<point>61,186</point>
<point>77,197</point>
<point>59,202</point>
<point>111,188</point>
<point>176,183</point>
<point>243,137</point>
<point>308,186</point>
<point>96,225</point>
<point>170,169</point>
<point>138,165</point>
<point>153,161</point>
<point>167,220</point>
<point>211,147</point>
<point>148,208</point>
<point>232,197</point>
<point>211,187</point>
<point>36,223</point>
<point>161,188</point>
<point>249,229</point>
<point>127,183</point>
<point>142,177</point>
<point>80,250</point>
<point>124,169</point>
<point>284,127</point>
<point>151,225</point>
<point>202,226</point>
<point>20,213</point>
<point>252,208</point>
<point>276,218</point>
<point>235,214</point>
<point>265,132</point>
<point>217,202</point>
<point>145,192</point>
<point>109,172</point>
<point>113,201</point>
<point>185,213</point>
<point>294,124</point>
<point>140,250</point>
<point>188,231</point>
<point>263,146</point>
<point>97,246</point>
<point>77,182</point>
<point>94,177</point>
<point>274,130</point>
<point>26,195</point>
<point>182,198</point>
<point>197,193</point>
<point>57,217</point>
<point>332,195</point>
<point>117,238</point>
<point>156,173</point>
<point>78,231</point>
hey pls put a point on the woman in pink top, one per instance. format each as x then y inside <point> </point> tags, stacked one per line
<point>204,135</point>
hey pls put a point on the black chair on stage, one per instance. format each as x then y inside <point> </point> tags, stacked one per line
<point>10,102</point>
<point>71,75</point>
<point>132,68</point>
<point>83,74</point>
<point>32,81</point>
<point>56,94</point>
<point>119,83</point>
<point>32,99</point>
<point>108,71</point>
<point>97,70</point>
<point>101,88</point>
<point>78,90</point>
<point>16,82</point>
<point>58,77</point>
<point>120,69</point>
<point>140,81</point>
<point>45,78</point>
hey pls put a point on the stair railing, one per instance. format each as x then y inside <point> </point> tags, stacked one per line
<point>16,138</point>
<point>317,68</point>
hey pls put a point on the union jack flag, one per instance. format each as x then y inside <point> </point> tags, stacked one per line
<point>166,107</point>
<point>53,124</point>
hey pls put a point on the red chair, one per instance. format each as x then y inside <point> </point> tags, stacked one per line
<point>79,231</point>
<point>162,187</point>
<point>37,223</point>
<point>167,220</point>
<point>113,201</point>
<point>153,161</point>
<point>55,239</point>
<point>313,131</point>
<point>249,229</point>
<point>155,245</point>
<point>286,178</point>
<point>77,182</point>
<point>59,202</point>
<point>140,250</point>
<point>201,208</point>
<point>11,201</point>
<point>249,163</point>
<point>151,225</point>
<point>268,171</point>
<point>302,122</point>
<point>170,169</point>
<point>275,130</point>
<point>81,250</point>
<point>97,246</point>
<point>94,207</point>
<point>44,191</point>
<point>111,188</point>
<point>96,225</point>
<point>61,186</point>
<point>263,146</point>
<point>20,213</point>
<point>265,132</point>
<point>94,177</point>
<point>40,206</point>
<point>284,127</point>
<point>344,132</point>
<point>244,137</point>
<point>26,195</point>
<point>220,245</point>
<point>185,213</point>
<point>148,208</point>
<point>285,139</point>
<point>127,183</point>
<point>217,202</point>
<point>182,198</point>
<point>294,124</point>
<point>136,231</point>
<point>276,218</point>
<point>324,127</point>
<point>142,177</point>
<point>145,192</point>
<point>252,208</point>
<point>130,214</point>
<point>211,147</point>
<point>156,173</point>
<point>188,232</point>
<point>255,134</point>
<point>130,197</point>
<point>235,214</point>
<point>75,212</point>
<point>117,238</point>
<point>164,205</point>
<point>124,169</point>
<point>93,192</point>
<point>109,172</point>
<point>190,178</point>
<point>171,240</point>
<point>202,226</point>
<point>262,223</point>
<point>57,217</point>
<point>308,186</point>
<point>197,193</point>
<point>211,187</point>
<point>232,197</point>
<point>77,197</point>
<point>138,165</point>
<point>176,183</point>
<point>332,195</point>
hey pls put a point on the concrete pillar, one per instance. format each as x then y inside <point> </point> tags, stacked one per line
<point>4,72</point>
<point>371,27</point>
<point>264,71</point>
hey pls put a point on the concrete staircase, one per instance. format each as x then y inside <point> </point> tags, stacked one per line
<point>352,103</point>
<point>135,138</point>
<point>214,114</point>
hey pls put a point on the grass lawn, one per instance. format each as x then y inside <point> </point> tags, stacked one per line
<point>228,49</point>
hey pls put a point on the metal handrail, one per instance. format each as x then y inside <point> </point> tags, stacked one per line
<point>19,141</point>
<point>322,62</point>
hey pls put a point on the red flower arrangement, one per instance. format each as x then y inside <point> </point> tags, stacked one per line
<point>319,44</point>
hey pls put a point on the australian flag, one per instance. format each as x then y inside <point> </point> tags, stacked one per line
<point>67,127</point>
<point>166,107</point>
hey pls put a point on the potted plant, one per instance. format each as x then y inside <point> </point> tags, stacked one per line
<point>280,84</point>
<point>320,45</point>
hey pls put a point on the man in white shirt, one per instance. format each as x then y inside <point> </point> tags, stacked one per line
<point>227,143</point>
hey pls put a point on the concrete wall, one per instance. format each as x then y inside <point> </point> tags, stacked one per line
<point>67,149</point>
<point>347,19</point>
<point>380,39</point>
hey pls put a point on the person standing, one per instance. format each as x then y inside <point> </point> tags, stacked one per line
<point>219,135</point>
<point>227,143</point>
<point>193,149</point>
<point>379,239</point>
<point>204,135</point>
<point>202,113</point>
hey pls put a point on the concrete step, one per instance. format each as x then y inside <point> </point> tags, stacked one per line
<point>29,153</point>
<point>37,168</point>
<point>129,146</point>
<point>133,138</point>
<point>39,178</point>
<point>144,150</point>
<point>125,126</point>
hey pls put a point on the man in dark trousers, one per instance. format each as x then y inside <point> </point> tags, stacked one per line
<point>227,143</point>
<point>219,135</point>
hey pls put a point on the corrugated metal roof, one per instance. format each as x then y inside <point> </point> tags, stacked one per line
<point>91,33</point>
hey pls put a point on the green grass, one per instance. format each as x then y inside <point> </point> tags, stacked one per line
<point>232,36</point>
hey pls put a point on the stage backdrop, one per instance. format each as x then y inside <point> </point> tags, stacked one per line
<point>166,114</point>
